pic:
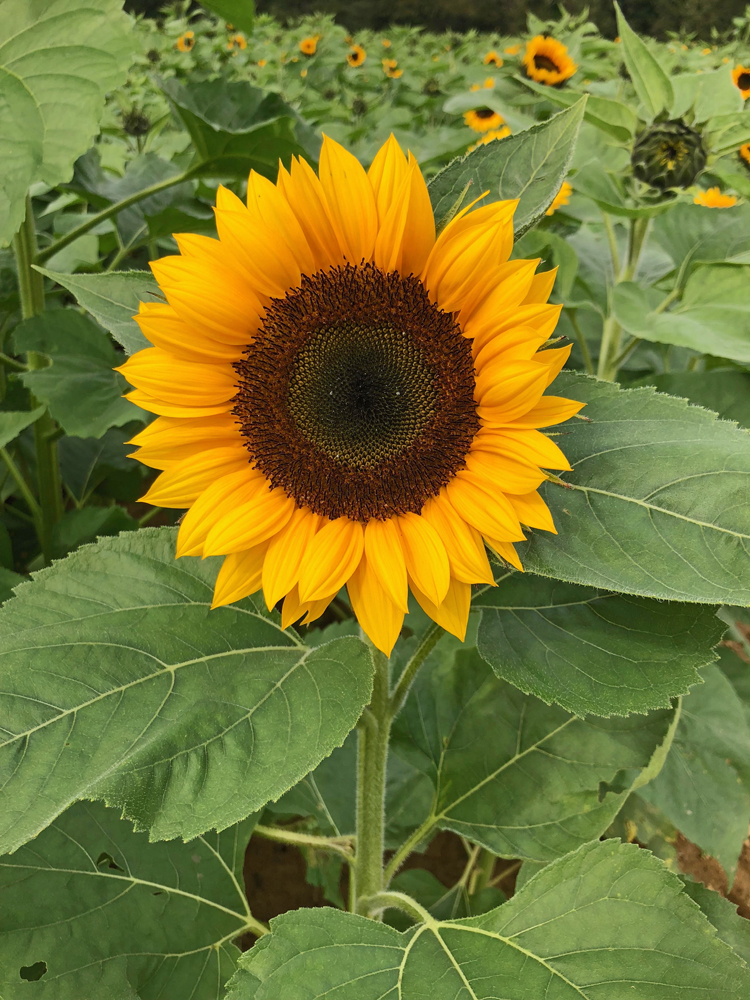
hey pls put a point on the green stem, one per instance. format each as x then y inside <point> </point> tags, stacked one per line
<point>484,868</point>
<point>22,485</point>
<point>665,302</point>
<point>339,845</point>
<point>609,353</point>
<point>31,287</point>
<point>15,366</point>
<point>572,315</point>
<point>106,213</point>
<point>427,643</point>
<point>407,847</point>
<point>612,240</point>
<point>372,763</point>
<point>397,901</point>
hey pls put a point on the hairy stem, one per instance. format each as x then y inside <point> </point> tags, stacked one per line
<point>610,351</point>
<point>427,643</point>
<point>485,866</point>
<point>407,847</point>
<point>339,845</point>
<point>397,901</point>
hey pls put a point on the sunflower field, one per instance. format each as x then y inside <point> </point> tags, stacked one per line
<point>374,509</point>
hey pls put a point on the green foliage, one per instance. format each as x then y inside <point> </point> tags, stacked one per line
<point>573,929</point>
<point>652,85</point>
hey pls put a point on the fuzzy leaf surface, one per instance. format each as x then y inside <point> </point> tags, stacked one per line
<point>120,683</point>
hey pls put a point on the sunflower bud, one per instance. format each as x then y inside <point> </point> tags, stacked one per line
<point>135,123</point>
<point>668,155</point>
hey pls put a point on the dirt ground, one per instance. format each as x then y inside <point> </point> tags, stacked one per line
<point>275,874</point>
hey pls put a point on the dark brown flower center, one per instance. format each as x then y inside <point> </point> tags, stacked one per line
<point>484,113</point>
<point>544,62</point>
<point>743,81</point>
<point>357,396</point>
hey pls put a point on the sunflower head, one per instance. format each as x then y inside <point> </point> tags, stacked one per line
<point>547,61</point>
<point>741,77</point>
<point>713,198</point>
<point>561,198</point>
<point>496,133</point>
<point>186,41</point>
<point>309,45</point>
<point>492,59</point>
<point>346,398</point>
<point>390,68</point>
<point>135,122</point>
<point>238,41</point>
<point>669,155</point>
<point>357,55</point>
<point>483,120</point>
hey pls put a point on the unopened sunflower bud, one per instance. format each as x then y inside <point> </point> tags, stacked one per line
<point>668,155</point>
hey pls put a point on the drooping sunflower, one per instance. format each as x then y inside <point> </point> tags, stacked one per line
<point>185,42</point>
<point>561,198</point>
<point>345,399</point>
<point>493,59</point>
<point>357,55</point>
<point>483,119</point>
<point>308,46</point>
<point>498,133</point>
<point>741,77</point>
<point>714,198</point>
<point>547,61</point>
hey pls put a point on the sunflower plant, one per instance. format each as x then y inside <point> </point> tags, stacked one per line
<point>318,528</point>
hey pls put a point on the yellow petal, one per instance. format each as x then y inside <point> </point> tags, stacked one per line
<point>167,440</point>
<point>249,524</point>
<point>293,609</point>
<point>505,472</point>
<point>506,551</point>
<point>285,553</point>
<point>541,316</point>
<point>216,501</point>
<point>161,325</point>
<point>385,556</point>
<point>548,411</point>
<point>182,483</point>
<point>541,287</point>
<point>419,235</point>
<point>520,343</point>
<point>386,174</point>
<point>177,381</point>
<point>239,575</point>
<point>533,511</point>
<point>308,201</point>
<point>490,513</point>
<point>554,360</point>
<point>526,445</point>
<point>331,558</point>
<point>351,201</point>
<point>379,617</point>
<point>453,613</point>
<point>154,405</point>
<point>268,204</point>
<point>506,391</point>
<point>426,559</point>
<point>512,281</point>
<point>463,543</point>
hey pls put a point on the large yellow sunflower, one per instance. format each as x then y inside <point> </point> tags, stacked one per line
<point>547,61</point>
<point>483,120</point>
<point>345,399</point>
<point>741,77</point>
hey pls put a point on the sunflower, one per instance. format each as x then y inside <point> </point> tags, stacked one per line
<point>741,77</point>
<point>483,119</point>
<point>237,41</point>
<point>385,42</point>
<point>561,198</point>
<point>496,133</point>
<point>357,55</point>
<point>261,63</point>
<point>345,399</point>
<point>744,154</point>
<point>512,50</point>
<point>390,69</point>
<point>489,83</point>
<point>308,45</point>
<point>492,59</point>
<point>547,61</point>
<point>713,198</point>
<point>186,41</point>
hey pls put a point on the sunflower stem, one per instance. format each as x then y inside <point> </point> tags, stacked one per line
<point>31,288</point>
<point>423,650</point>
<point>610,357</point>
<point>372,762</point>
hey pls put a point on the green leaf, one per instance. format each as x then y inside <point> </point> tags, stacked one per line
<point>555,252</point>
<point>236,127</point>
<point>657,501</point>
<point>120,683</point>
<point>58,59</point>
<point>441,902</point>
<point>523,779</point>
<point>83,392</point>
<point>724,390</point>
<point>651,83</point>
<point>530,166</point>
<point>111,915</point>
<point>726,133</point>
<point>86,462</point>
<point>604,923</point>
<point>704,786</point>
<point>239,13</point>
<point>705,95</point>
<point>77,527</point>
<point>612,117</point>
<point>12,422</point>
<point>733,929</point>
<point>704,235</point>
<point>596,183</point>
<point>113,299</point>
<point>713,316</point>
<point>592,651</point>
<point>8,582</point>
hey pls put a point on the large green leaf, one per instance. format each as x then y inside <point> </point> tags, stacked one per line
<point>530,166</point>
<point>58,58</point>
<point>656,503</point>
<point>726,133</point>
<point>704,235</point>
<point>239,13</point>
<point>724,390</point>
<point>713,316</point>
<point>100,912</point>
<point>120,683</point>
<point>592,651</point>
<point>236,127</point>
<point>80,388</point>
<point>704,787</point>
<point>705,95</point>
<point>523,779</point>
<point>605,923</point>
<point>732,928</point>
<point>651,83</point>
<point>612,117</point>
<point>12,422</point>
<point>112,299</point>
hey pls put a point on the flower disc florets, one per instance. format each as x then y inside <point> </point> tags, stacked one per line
<point>669,155</point>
